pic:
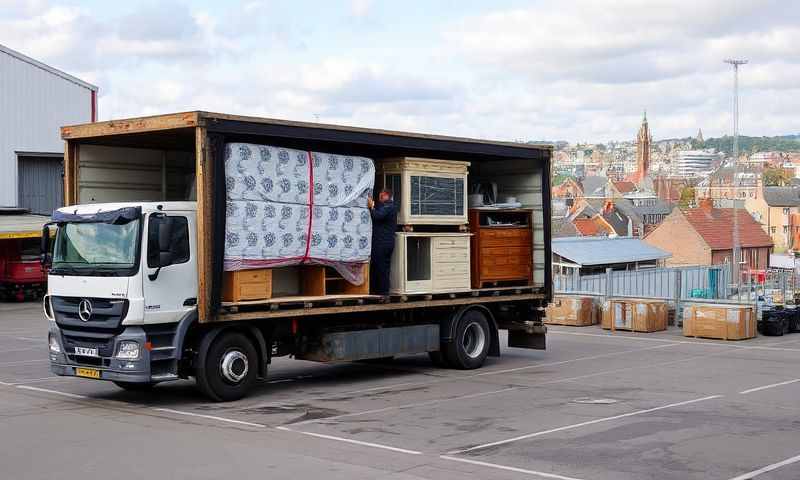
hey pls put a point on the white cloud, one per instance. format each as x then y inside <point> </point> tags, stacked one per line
<point>580,70</point>
<point>360,8</point>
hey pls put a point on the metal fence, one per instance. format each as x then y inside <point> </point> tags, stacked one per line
<point>713,283</point>
<point>709,282</point>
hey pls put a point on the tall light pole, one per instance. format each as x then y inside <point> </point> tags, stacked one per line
<point>737,260</point>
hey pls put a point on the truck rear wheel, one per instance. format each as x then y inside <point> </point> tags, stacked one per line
<point>227,368</point>
<point>471,341</point>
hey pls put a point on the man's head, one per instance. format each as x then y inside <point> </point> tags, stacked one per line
<point>385,195</point>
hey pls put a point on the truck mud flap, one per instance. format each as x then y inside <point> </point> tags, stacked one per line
<point>377,343</point>
<point>531,335</point>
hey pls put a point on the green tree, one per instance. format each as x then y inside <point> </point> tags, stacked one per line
<point>775,177</point>
<point>687,197</point>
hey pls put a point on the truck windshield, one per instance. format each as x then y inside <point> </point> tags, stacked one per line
<point>96,249</point>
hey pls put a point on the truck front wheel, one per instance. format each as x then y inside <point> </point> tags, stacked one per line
<point>227,367</point>
<point>471,341</point>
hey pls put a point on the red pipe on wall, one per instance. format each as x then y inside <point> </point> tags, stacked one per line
<point>94,105</point>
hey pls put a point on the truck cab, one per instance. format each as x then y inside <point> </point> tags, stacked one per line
<point>123,279</point>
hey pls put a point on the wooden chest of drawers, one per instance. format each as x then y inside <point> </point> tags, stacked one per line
<point>501,252</point>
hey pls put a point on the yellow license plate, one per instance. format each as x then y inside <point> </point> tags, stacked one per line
<point>87,372</point>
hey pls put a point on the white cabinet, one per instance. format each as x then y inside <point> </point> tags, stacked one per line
<point>430,263</point>
<point>427,191</point>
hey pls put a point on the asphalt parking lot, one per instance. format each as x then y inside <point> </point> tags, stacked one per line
<point>593,406</point>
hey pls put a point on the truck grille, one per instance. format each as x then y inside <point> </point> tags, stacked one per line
<point>104,346</point>
<point>106,314</point>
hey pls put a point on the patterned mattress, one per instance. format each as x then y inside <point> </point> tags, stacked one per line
<point>271,211</point>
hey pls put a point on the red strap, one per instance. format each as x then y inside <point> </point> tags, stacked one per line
<point>310,205</point>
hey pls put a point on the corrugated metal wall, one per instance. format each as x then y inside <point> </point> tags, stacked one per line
<point>41,185</point>
<point>34,104</point>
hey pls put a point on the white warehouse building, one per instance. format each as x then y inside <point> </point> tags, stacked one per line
<point>36,100</point>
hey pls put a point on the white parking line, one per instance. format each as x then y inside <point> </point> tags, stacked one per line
<point>444,379</point>
<point>39,347</point>
<point>583,424</point>
<point>406,406</point>
<point>769,346</point>
<point>209,417</point>
<point>40,340</point>
<point>448,378</point>
<point>593,357</point>
<point>25,381</point>
<point>349,440</point>
<point>611,336</point>
<point>773,385</point>
<point>22,362</point>
<point>768,468</point>
<point>510,469</point>
<point>54,392</point>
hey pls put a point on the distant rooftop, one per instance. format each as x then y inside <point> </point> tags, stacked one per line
<point>588,251</point>
<point>716,228</point>
<point>782,196</point>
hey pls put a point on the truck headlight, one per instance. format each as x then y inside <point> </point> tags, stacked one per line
<point>53,341</point>
<point>128,350</point>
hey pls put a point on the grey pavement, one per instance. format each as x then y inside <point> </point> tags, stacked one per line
<point>592,406</point>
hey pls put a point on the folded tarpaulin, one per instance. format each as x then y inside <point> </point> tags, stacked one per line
<point>271,213</point>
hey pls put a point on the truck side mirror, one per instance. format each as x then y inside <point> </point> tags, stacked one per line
<point>159,244</point>
<point>45,258</point>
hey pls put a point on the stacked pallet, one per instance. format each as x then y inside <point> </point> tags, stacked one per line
<point>635,315</point>
<point>572,310</point>
<point>720,321</point>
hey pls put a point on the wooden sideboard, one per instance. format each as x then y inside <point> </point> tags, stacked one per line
<point>430,263</point>
<point>501,246</point>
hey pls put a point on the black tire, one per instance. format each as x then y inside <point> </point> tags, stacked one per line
<point>227,368</point>
<point>135,386</point>
<point>471,342</point>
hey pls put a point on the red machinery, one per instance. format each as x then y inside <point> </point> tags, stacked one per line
<point>21,275</point>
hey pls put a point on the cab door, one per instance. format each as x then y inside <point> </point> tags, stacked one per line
<point>170,290</point>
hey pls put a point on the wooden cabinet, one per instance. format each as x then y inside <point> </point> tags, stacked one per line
<point>502,246</point>
<point>430,263</point>
<point>244,285</point>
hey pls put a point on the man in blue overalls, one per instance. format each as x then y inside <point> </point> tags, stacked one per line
<point>384,225</point>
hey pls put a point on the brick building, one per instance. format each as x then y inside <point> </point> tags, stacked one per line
<point>704,236</point>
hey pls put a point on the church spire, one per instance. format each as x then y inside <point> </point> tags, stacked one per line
<point>643,141</point>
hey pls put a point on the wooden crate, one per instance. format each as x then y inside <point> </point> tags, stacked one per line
<point>720,321</point>
<point>245,285</point>
<point>571,310</point>
<point>635,315</point>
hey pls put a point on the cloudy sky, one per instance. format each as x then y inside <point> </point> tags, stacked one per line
<point>519,70</point>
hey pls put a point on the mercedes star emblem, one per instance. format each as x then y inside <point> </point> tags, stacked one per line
<point>85,310</point>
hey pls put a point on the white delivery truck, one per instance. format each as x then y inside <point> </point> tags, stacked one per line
<point>136,260</point>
